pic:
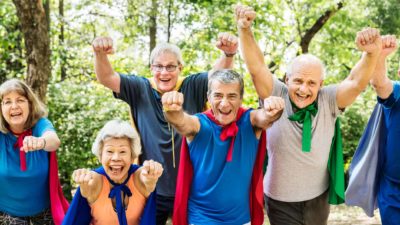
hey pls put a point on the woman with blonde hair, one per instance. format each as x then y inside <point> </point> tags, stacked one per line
<point>30,192</point>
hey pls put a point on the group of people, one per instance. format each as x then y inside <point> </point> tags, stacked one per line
<point>202,165</point>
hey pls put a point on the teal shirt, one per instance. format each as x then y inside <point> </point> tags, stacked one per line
<point>24,193</point>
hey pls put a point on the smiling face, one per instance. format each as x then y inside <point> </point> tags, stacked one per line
<point>15,111</point>
<point>116,158</point>
<point>225,100</point>
<point>304,82</point>
<point>166,69</point>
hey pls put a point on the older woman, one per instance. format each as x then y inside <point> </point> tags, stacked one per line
<point>28,172</point>
<point>118,192</point>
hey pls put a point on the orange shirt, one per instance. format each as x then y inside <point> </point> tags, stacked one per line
<point>103,212</point>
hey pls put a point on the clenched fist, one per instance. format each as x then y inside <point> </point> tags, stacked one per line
<point>369,40</point>
<point>228,43</point>
<point>244,16</point>
<point>172,101</point>
<point>103,45</point>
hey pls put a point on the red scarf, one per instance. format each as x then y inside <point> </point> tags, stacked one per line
<point>58,203</point>
<point>19,144</point>
<point>185,176</point>
<point>228,130</point>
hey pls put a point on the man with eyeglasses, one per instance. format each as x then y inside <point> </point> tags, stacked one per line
<point>160,141</point>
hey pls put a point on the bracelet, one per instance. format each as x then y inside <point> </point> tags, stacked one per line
<point>229,54</point>
<point>44,143</point>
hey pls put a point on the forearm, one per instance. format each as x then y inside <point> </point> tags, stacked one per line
<point>105,73</point>
<point>362,72</point>
<point>185,124</point>
<point>224,62</point>
<point>254,59</point>
<point>51,142</point>
<point>381,83</point>
<point>357,81</point>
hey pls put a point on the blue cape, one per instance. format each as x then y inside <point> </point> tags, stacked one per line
<point>366,165</point>
<point>79,210</point>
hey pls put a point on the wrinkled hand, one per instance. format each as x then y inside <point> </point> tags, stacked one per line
<point>389,45</point>
<point>228,43</point>
<point>244,16</point>
<point>369,40</point>
<point>273,108</point>
<point>103,45</point>
<point>83,177</point>
<point>151,171</point>
<point>31,143</point>
<point>172,101</point>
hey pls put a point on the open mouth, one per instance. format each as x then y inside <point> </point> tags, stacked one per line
<point>13,115</point>
<point>116,170</point>
<point>225,113</point>
<point>302,97</point>
<point>165,80</point>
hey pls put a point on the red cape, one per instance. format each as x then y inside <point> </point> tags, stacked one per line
<point>185,176</point>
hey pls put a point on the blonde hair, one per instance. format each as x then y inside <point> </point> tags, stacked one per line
<point>166,48</point>
<point>117,129</point>
<point>37,109</point>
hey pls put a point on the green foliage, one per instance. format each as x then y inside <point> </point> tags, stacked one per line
<point>78,111</point>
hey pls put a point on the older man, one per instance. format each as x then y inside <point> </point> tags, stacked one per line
<point>159,141</point>
<point>223,144</point>
<point>296,185</point>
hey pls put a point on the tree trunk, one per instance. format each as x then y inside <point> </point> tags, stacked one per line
<point>322,20</point>
<point>170,2</point>
<point>61,38</point>
<point>34,27</point>
<point>153,24</point>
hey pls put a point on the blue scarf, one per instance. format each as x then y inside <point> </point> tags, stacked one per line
<point>79,210</point>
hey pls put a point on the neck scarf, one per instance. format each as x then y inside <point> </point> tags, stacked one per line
<point>116,191</point>
<point>304,116</point>
<point>79,211</point>
<point>228,131</point>
<point>19,144</point>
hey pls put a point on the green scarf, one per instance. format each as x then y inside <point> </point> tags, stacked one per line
<point>336,168</point>
<point>304,116</point>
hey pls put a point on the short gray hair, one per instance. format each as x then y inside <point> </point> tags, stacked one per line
<point>117,129</point>
<point>308,59</point>
<point>166,48</point>
<point>226,76</point>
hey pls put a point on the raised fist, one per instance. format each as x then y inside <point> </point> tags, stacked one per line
<point>244,16</point>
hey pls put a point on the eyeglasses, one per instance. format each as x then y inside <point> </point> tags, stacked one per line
<point>9,103</point>
<point>168,68</point>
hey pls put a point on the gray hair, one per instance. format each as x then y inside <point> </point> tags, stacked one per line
<point>37,109</point>
<point>305,59</point>
<point>117,129</point>
<point>226,76</point>
<point>166,48</point>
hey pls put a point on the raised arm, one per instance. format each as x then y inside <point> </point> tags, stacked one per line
<point>252,55</point>
<point>102,47</point>
<point>380,81</point>
<point>89,182</point>
<point>369,42</point>
<point>146,177</point>
<point>228,44</point>
<point>184,123</point>
<point>263,118</point>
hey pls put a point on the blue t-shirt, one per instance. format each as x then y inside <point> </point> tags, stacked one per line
<point>391,112</point>
<point>220,190</point>
<point>24,193</point>
<point>155,132</point>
